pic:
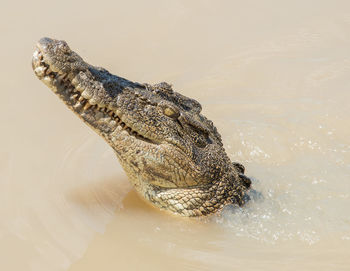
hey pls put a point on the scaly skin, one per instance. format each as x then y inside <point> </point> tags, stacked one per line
<point>172,154</point>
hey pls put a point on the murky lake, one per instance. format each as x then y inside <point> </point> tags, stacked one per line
<point>274,76</point>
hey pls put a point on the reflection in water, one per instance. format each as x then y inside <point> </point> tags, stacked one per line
<point>273,76</point>
<point>106,194</point>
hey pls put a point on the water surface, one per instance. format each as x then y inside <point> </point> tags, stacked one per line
<point>274,78</point>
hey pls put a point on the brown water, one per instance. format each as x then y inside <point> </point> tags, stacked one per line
<point>272,75</point>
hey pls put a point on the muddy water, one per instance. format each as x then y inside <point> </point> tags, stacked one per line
<point>273,77</point>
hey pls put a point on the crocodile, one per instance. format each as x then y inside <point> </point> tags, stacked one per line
<point>172,154</point>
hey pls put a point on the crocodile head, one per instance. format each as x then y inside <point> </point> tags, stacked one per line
<point>172,154</point>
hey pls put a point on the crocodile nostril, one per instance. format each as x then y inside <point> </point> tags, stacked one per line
<point>44,42</point>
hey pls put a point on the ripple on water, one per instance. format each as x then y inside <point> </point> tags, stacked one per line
<point>305,200</point>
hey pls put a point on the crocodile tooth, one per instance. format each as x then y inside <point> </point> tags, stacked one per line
<point>77,105</point>
<point>87,106</point>
<point>85,94</point>
<point>93,101</point>
<point>74,80</point>
<point>40,71</point>
<point>47,80</point>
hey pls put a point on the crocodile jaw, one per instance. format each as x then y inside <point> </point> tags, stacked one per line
<point>66,86</point>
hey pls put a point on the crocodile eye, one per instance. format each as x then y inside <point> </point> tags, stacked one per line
<point>171,112</point>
